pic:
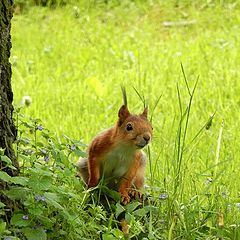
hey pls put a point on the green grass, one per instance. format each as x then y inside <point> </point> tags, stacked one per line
<point>73,68</point>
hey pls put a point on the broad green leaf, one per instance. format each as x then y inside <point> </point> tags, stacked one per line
<point>20,180</point>
<point>17,193</point>
<point>108,236</point>
<point>35,233</point>
<point>18,220</point>
<point>8,162</point>
<point>132,206</point>
<point>64,158</point>
<point>128,217</point>
<point>36,211</point>
<point>5,177</point>
<point>118,233</point>
<point>119,209</point>
<point>42,183</point>
<point>6,159</point>
<point>2,227</point>
<point>52,196</point>
<point>2,205</point>
<point>110,193</point>
<point>51,199</point>
<point>140,212</point>
<point>152,208</point>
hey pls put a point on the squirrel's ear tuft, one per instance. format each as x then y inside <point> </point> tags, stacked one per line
<point>145,112</point>
<point>123,113</point>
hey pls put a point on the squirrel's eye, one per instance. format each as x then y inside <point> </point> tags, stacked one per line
<point>129,127</point>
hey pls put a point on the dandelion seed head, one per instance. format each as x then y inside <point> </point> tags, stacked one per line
<point>26,101</point>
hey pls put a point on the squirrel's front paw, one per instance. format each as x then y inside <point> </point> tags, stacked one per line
<point>125,199</point>
<point>135,194</point>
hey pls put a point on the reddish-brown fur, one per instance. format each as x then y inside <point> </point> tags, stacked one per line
<point>120,147</point>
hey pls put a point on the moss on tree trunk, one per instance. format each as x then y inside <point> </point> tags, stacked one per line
<point>8,131</point>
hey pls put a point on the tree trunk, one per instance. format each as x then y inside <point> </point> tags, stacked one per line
<point>8,131</point>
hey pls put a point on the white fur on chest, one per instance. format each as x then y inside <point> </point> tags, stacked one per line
<point>117,162</point>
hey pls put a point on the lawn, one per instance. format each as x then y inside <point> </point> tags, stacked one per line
<point>72,60</point>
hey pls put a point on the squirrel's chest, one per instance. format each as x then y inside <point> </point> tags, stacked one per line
<point>117,162</point>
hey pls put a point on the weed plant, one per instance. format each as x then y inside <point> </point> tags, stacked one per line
<point>71,62</point>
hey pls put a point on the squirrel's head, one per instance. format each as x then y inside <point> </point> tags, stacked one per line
<point>133,129</point>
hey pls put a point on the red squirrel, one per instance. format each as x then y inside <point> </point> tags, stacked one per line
<point>116,155</point>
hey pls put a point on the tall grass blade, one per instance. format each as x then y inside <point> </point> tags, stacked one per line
<point>182,131</point>
<point>185,79</point>
<point>142,97</point>
<point>218,148</point>
<point>154,107</point>
<point>124,94</point>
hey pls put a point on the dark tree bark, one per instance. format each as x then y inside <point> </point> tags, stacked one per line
<point>8,131</point>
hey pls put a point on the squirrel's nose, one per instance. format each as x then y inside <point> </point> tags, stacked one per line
<point>146,138</point>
